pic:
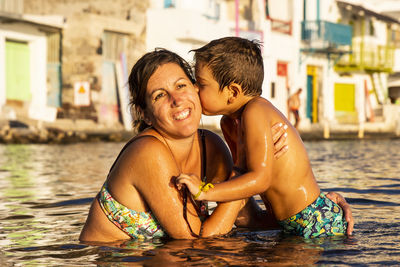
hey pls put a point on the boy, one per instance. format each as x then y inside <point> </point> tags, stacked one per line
<point>229,74</point>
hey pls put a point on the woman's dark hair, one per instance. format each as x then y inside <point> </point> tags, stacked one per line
<point>140,75</point>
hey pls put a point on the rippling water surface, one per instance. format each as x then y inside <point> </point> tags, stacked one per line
<point>45,192</point>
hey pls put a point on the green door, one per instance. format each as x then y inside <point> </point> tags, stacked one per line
<point>17,71</point>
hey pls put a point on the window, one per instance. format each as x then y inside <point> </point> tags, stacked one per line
<point>169,3</point>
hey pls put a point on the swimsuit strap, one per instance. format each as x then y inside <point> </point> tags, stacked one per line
<point>202,210</point>
<point>184,191</point>
<point>204,155</point>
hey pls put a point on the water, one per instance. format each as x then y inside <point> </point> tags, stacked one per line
<point>45,192</point>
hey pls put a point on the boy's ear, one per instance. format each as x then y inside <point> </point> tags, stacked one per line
<point>234,91</point>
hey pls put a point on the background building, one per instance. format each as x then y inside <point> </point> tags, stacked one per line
<point>73,68</point>
<point>67,61</point>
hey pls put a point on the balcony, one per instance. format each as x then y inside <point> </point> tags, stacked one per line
<point>326,37</point>
<point>367,56</point>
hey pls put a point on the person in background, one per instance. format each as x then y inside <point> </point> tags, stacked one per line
<point>294,106</point>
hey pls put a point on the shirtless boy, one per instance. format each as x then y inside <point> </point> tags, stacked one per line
<point>229,75</point>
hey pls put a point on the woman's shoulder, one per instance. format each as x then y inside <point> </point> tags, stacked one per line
<point>140,149</point>
<point>143,145</point>
<point>141,154</point>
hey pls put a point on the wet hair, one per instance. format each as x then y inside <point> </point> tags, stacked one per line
<point>234,59</point>
<point>140,75</point>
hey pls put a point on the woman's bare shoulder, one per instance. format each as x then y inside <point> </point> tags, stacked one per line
<point>145,156</point>
<point>143,146</point>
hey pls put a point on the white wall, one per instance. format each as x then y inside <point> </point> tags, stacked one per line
<point>38,47</point>
<point>181,31</point>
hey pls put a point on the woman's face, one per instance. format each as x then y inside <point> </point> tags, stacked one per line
<point>173,105</point>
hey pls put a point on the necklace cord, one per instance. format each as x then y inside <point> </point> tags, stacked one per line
<point>183,192</point>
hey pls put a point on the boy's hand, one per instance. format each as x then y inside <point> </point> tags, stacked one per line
<point>341,201</point>
<point>279,137</point>
<point>192,182</point>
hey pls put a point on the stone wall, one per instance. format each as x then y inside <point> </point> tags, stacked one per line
<point>85,23</point>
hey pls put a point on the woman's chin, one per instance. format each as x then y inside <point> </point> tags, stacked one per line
<point>187,130</point>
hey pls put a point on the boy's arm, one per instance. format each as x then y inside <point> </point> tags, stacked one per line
<point>259,154</point>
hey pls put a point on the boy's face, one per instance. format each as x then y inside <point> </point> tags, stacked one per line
<point>213,101</point>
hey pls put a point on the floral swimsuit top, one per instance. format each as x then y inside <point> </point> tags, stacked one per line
<point>138,225</point>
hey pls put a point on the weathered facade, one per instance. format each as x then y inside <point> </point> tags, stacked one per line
<point>87,57</point>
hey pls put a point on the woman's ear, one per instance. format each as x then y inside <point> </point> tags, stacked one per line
<point>143,116</point>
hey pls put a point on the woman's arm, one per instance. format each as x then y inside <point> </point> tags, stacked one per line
<point>156,185</point>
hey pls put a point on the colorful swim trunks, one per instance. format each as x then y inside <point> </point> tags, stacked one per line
<point>138,225</point>
<point>321,218</point>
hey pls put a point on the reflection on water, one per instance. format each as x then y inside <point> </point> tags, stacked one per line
<point>45,191</point>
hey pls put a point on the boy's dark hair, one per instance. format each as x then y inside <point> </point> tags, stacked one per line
<point>140,75</point>
<point>234,59</point>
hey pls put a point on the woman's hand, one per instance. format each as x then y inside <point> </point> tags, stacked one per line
<point>279,137</point>
<point>341,201</point>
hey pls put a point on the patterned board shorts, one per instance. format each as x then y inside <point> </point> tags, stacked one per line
<point>321,218</point>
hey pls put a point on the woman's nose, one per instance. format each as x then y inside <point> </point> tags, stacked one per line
<point>176,98</point>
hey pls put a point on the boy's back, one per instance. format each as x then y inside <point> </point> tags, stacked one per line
<point>291,182</point>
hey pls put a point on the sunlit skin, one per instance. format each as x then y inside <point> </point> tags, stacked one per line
<point>288,183</point>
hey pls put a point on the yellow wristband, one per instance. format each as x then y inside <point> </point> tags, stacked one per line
<point>200,190</point>
<point>207,187</point>
<point>203,188</point>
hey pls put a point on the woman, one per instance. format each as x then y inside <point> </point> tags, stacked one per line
<point>139,199</point>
